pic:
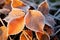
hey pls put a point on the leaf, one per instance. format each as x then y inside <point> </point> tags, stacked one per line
<point>17,3</point>
<point>15,21</point>
<point>49,30</point>
<point>3,33</point>
<point>16,25</point>
<point>34,21</point>
<point>43,7</point>
<point>42,36</point>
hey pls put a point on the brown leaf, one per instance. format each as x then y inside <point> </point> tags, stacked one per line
<point>49,30</point>
<point>43,7</point>
<point>34,20</point>
<point>42,36</point>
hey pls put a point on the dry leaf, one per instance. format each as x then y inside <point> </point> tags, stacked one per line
<point>16,25</point>
<point>42,36</point>
<point>15,21</point>
<point>34,20</point>
<point>43,7</point>
<point>49,30</point>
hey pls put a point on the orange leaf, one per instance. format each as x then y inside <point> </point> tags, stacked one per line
<point>35,20</point>
<point>3,33</point>
<point>29,34</point>
<point>22,37</point>
<point>15,21</point>
<point>16,25</point>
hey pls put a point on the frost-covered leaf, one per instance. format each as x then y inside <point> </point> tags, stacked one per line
<point>34,20</point>
<point>16,25</point>
<point>15,21</point>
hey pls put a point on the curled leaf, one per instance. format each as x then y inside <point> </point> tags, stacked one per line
<point>34,20</point>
